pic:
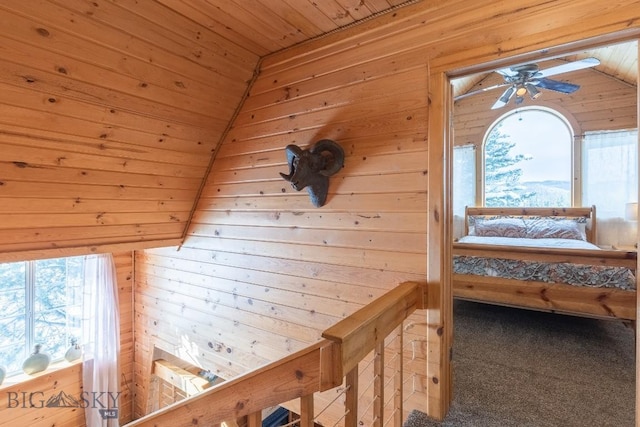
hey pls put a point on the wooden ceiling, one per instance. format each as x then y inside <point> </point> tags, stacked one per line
<point>266,26</point>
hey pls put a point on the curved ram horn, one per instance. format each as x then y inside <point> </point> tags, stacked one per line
<point>293,152</point>
<point>334,161</point>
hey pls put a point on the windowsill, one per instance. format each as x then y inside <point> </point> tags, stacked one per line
<point>25,378</point>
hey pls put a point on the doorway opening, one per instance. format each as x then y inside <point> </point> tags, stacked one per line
<point>477,181</point>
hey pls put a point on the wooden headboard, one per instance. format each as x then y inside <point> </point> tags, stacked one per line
<point>588,212</point>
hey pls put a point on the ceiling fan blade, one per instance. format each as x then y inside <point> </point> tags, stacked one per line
<point>484,89</point>
<point>507,72</point>
<point>557,86</point>
<point>569,66</point>
<point>504,98</point>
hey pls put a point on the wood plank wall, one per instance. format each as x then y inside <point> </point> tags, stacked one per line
<point>262,272</point>
<point>107,130</point>
<point>69,379</point>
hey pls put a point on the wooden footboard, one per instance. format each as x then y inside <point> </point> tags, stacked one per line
<point>560,298</point>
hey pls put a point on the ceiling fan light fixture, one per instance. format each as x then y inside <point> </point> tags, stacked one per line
<point>521,91</point>
<point>534,93</point>
<point>506,96</point>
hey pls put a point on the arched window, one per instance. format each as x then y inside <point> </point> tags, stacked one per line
<point>528,159</point>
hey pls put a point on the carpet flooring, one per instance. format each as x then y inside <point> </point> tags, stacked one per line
<point>523,368</point>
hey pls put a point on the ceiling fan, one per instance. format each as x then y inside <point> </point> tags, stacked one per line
<point>528,79</point>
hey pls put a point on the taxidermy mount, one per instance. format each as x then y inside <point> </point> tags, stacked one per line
<point>312,168</point>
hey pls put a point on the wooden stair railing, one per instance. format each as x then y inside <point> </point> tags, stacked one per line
<point>319,367</point>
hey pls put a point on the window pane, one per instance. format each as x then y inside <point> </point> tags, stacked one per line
<point>12,343</point>
<point>51,331</point>
<point>12,302</point>
<point>51,283</point>
<point>12,275</point>
<point>528,160</point>
<point>58,299</point>
<point>49,292</point>
<point>13,278</point>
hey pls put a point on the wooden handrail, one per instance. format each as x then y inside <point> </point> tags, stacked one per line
<point>359,333</point>
<point>318,367</point>
<point>292,377</point>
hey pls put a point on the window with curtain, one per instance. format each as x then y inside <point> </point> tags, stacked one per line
<point>49,302</point>
<point>464,178</point>
<point>41,304</point>
<point>610,171</point>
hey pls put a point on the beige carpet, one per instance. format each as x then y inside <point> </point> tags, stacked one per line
<point>522,368</point>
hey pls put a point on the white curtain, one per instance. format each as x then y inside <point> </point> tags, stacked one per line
<point>464,184</point>
<point>101,342</point>
<point>610,182</point>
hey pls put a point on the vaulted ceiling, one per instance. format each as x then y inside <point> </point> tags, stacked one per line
<point>266,26</point>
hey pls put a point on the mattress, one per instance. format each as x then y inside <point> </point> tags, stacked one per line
<point>597,276</point>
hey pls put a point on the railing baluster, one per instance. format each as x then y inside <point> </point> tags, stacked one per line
<point>398,378</point>
<point>378,385</point>
<point>306,411</point>
<point>351,398</point>
<point>254,419</point>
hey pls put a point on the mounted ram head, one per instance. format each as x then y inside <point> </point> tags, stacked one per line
<point>312,168</point>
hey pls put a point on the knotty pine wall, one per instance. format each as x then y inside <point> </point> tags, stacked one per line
<point>261,272</point>
<point>110,112</point>
<point>69,379</point>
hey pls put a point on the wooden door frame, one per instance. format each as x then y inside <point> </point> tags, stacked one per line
<point>440,216</point>
<point>439,386</point>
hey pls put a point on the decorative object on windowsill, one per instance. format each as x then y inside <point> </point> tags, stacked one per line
<point>312,168</point>
<point>74,352</point>
<point>37,362</point>
<point>3,373</point>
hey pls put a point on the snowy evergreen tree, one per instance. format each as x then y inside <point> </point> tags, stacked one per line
<point>502,176</point>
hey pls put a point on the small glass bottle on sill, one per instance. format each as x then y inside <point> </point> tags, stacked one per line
<point>74,352</point>
<point>37,362</point>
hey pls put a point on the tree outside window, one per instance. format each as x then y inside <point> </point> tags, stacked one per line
<point>42,304</point>
<point>527,160</point>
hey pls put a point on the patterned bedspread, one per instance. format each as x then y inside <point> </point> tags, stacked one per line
<point>574,274</point>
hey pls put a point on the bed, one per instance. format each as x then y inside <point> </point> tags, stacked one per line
<point>543,259</point>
